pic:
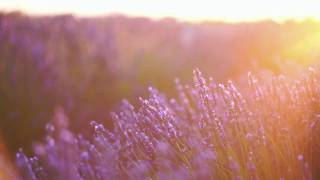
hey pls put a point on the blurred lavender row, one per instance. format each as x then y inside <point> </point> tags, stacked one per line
<point>264,130</point>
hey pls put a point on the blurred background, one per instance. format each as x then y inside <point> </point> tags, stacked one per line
<point>86,56</point>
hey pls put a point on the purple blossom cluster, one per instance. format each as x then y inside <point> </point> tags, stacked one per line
<point>265,130</point>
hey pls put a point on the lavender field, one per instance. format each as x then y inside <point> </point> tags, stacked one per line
<point>118,97</point>
<point>209,131</point>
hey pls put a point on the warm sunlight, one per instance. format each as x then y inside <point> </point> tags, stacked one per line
<point>227,10</point>
<point>159,89</point>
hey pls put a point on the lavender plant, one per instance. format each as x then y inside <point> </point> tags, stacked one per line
<point>209,131</point>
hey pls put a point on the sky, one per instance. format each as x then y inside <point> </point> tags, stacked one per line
<point>196,10</point>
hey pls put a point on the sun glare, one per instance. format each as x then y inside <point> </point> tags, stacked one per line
<point>228,10</point>
<point>159,89</point>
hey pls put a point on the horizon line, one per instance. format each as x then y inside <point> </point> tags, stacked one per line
<point>164,17</point>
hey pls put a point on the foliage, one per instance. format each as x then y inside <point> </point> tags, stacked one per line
<point>87,65</point>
